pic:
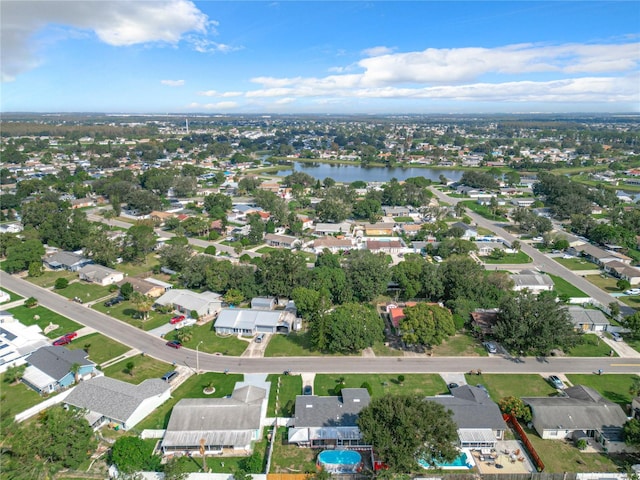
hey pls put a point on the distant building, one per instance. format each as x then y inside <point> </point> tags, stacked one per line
<point>207,304</point>
<point>66,261</point>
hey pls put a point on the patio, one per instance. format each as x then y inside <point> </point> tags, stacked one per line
<point>509,457</point>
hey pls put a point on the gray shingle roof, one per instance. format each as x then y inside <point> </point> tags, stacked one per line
<point>113,398</point>
<point>472,408</point>
<point>57,361</point>
<point>314,411</point>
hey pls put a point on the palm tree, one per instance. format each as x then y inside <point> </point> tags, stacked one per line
<point>75,369</point>
<point>142,303</point>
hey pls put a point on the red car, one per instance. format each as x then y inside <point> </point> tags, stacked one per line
<point>177,319</point>
<point>174,344</point>
<point>71,335</point>
<point>62,341</point>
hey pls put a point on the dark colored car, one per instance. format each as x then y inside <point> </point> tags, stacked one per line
<point>174,344</point>
<point>177,319</point>
<point>167,377</point>
<point>307,390</point>
<point>114,301</point>
<point>452,385</point>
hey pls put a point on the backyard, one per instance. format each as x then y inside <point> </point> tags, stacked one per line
<point>42,317</point>
<point>291,458</point>
<point>16,398</point>
<point>382,384</point>
<point>99,347</point>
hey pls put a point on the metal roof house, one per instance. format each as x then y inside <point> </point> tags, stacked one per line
<point>224,425</point>
<point>107,400</point>
<point>50,368</point>
<point>243,321</point>
<point>328,421</point>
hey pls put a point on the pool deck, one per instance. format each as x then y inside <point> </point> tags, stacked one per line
<point>509,461</point>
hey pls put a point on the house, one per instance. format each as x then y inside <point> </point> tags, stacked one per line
<point>486,248</point>
<point>66,261</point>
<point>18,341</point>
<point>469,231</point>
<point>52,368</point>
<point>232,321</point>
<point>531,280</point>
<point>219,425</point>
<point>484,319</point>
<point>206,304</point>
<point>143,286</point>
<point>588,320</point>
<point>330,422</point>
<point>597,255</point>
<point>379,229</point>
<point>390,246</point>
<point>107,400</point>
<point>263,303</point>
<point>523,202</point>
<point>282,241</point>
<point>306,221</point>
<point>480,423</point>
<point>332,228</point>
<point>623,271</point>
<point>333,244</point>
<point>99,274</point>
<point>396,211</point>
<point>582,413</point>
<point>411,229</point>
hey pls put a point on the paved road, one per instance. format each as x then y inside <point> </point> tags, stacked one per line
<point>540,260</point>
<point>155,347</point>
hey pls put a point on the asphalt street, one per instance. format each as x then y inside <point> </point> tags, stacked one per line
<point>155,347</point>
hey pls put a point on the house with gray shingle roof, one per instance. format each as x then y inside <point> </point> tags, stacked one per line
<point>480,423</point>
<point>588,320</point>
<point>107,400</point>
<point>65,261</point>
<point>226,425</point>
<point>51,368</point>
<point>328,421</point>
<point>533,281</point>
<point>99,274</point>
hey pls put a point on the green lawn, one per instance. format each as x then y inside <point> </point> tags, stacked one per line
<point>460,345</point>
<point>286,390</point>
<point>591,346</point>
<point>404,220</point>
<point>381,350</point>
<point>16,398</point>
<point>482,210</point>
<point>46,316</point>
<point>308,256</point>
<point>211,342</point>
<point>126,312</point>
<point>292,345</point>
<point>291,458</point>
<point>576,263</point>
<point>191,388</point>
<point>135,269</point>
<point>613,387</point>
<point>505,385</point>
<point>562,287</point>
<point>87,292</point>
<point>100,348</point>
<point>266,250</point>
<point>144,367</point>
<point>508,259</point>
<point>48,278</point>
<point>12,296</point>
<point>632,301</point>
<point>606,283</point>
<point>382,384</point>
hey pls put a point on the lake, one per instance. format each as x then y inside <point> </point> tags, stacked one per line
<point>351,173</point>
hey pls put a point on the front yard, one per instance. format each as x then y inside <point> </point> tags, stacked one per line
<point>48,278</point>
<point>127,312</point>
<point>508,259</point>
<point>87,292</point>
<point>460,345</point>
<point>591,346</point>
<point>296,344</point>
<point>42,317</point>
<point>12,296</point>
<point>143,367</point>
<point>382,384</point>
<point>99,347</point>
<point>606,283</point>
<point>289,387</point>
<point>613,387</point>
<point>562,287</point>
<point>211,342</point>
<point>576,263</point>
<point>505,385</point>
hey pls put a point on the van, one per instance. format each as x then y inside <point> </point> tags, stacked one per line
<point>616,336</point>
<point>167,377</point>
<point>259,338</point>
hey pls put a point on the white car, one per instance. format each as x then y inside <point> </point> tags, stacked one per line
<point>187,322</point>
<point>633,291</point>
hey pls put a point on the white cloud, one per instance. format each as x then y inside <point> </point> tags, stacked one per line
<point>172,83</point>
<point>115,22</point>
<point>285,101</point>
<point>208,93</point>
<point>377,51</point>
<point>213,106</point>
<point>203,45</point>
<point>215,93</point>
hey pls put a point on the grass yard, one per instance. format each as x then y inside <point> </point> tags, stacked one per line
<point>46,316</point>
<point>126,312</point>
<point>267,250</point>
<point>191,388</point>
<point>289,387</point>
<point>48,278</point>
<point>485,232</point>
<point>291,458</point>
<point>606,283</point>
<point>308,256</point>
<point>632,301</point>
<point>382,384</point>
<point>211,342</point>
<point>576,263</point>
<point>12,296</point>
<point>509,259</point>
<point>404,219</point>
<point>460,345</point>
<point>135,269</point>
<point>292,345</point>
<point>87,292</point>
<point>562,287</point>
<point>17,397</point>
<point>100,348</point>
<point>144,367</point>
<point>482,210</point>
<point>613,387</point>
<point>505,385</point>
<point>381,350</point>
<point>591,346</point>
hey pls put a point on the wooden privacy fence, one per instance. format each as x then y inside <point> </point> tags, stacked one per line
<point>510,419</point>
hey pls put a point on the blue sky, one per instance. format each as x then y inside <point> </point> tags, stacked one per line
<point>375,57</point>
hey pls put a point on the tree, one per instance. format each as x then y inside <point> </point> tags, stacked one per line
<point>535,324</point>
<point>31,302</point>
<point>632,322</point>
<point>177,468</point>
<point>614,309</point>
<point>143,304</point>
<point>23,254</point>
<point>310,302</point>
<point>256,231</point>
<point>132,454</point>
<point>623,284</point>
<point>426,324</point>
<point>282,271</point>
<point>175,257</point>
<point>138,242</point>
<point>406,429</point>
<point>631,431</point>
<point>130,366</point>
<point>233,296</point>
<point>126,290</point>
<point>61,283</point>
<point>515,406</point>
<point>349,328</point>
<point>367,274</point>
<point>35,269</point>
<point>14,373</point>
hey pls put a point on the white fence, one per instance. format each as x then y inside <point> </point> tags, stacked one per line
<point>30,412</point>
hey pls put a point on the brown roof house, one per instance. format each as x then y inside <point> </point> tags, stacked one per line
<point>143,286</point>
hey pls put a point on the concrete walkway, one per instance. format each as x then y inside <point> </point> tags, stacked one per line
<point>621,348</point>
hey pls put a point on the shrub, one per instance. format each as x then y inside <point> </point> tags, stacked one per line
<point>31,302</point>
<point>368,387</point>
<point>401,378</point>
<point>61,283</point>
<point>210,250</point>
<point>581,444</point>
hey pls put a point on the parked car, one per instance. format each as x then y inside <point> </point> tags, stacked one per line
<point>167,377</point>
<point>632,291</point>
<point>491,347</point>
<point>62,341</point>
<point>616,336</point>
<point>452,385</point>
<point>177,319</point>
<point>259,338</point>
<point>187,322</point>
<point>114,301</point>
<point>555,381</point>
<point>307,390</point>
<point>174,344</point>
<point>71,335</point>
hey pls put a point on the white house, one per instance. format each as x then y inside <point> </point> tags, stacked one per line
<point>206,304</point>
<point>99,274</point>
<point>533,281</point>
<point>18,341</point>
<point>251,321</point>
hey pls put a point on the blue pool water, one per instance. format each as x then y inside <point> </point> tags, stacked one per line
<point>460,462</point>
<point>339,461</point>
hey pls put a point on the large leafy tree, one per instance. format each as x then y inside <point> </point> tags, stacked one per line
<point>282,271</point>
<point>632,432</point>
<point>217,205</point>
<point>534,324</point>
<point>138,242</point>
<point>23,254</point>
<point>405,429</point>
<point>368,274</point>
<point>349,328</point>
<point>426,324</point>
<point>131,454</point>
<point>100,248</point>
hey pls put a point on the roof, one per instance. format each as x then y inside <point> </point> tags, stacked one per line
<point>262,302</point>
<point>187,299</point>
<point>113,398</point>
<point>472,408</point>
<point>463,226</point>
<point>329,242</point>
<point>56,362</point>
<point>65,258</point>
<point>314,411</point>
<point>381,244</point>
<point>248,318</point>
<point>529,278</point>
<point>139,284</point>
<point>582,409</point>
<point>97,272</point>
<point>396,314</point>
<point>333,227</point>
<point>272,237</point>
<point>582,316</point>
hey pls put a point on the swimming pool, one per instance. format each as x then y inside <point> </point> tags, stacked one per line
<point>461,462</point>
<point>340,461</point>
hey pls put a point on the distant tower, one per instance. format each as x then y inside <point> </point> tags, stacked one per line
<point>187,122</point>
